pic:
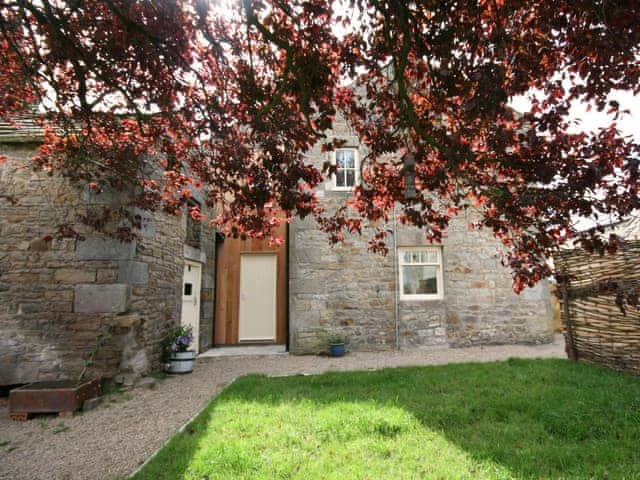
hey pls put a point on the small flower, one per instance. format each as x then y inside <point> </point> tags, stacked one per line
<point>180,340</point>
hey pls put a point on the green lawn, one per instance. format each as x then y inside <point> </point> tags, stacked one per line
<point>515,419</point>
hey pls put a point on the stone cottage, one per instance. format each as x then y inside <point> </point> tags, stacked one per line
<point>419,295</point>
<point>63,298</point>
<point>58,298</point>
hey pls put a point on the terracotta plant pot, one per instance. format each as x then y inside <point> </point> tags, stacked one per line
<point>181,362</point>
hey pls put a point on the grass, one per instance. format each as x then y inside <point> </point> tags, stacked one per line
<point>528,419</point>
<point>6,446</point>
<point>61,428</point>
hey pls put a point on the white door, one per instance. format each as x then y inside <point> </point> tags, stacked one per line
<point>257,297</point>
<point>191,299</point>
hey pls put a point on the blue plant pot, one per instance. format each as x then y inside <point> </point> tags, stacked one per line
<point>336,349</point>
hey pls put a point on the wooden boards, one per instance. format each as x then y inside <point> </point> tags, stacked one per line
<point>227,304</point>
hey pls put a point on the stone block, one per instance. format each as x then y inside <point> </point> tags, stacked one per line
<point>410,236</point>
<point>66,307</point>
<point>146,382</point>
<point>14,218</point>
<point>194,254</point>
<point>95,248</point>
<point>207,310</point>
<point>138,363</point>
<point>133,272</point>
<point>308,255</point>
<point>30,308</point>
<point>107,275</point>
<point>208,281</point>
<point>125,379</point>
<point>207,295</point>
<point>92,403</point>
<point>39,245</point>
<point>148,225</point>
<point>103,198</point>
<point>108,298</point>
<point>127,321</point>
<point>539,292</point>
<point>73,275</point>
<point>58,295</point>
<point>308,286</point>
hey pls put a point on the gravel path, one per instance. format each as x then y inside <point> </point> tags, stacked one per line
<point>111,441</point>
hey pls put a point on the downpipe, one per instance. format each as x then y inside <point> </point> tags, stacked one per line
<point>396,302</point>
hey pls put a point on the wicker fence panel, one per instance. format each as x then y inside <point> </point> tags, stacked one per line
<point>595,328</point>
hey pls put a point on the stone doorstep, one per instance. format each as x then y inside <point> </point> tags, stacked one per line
<point>245,350</point>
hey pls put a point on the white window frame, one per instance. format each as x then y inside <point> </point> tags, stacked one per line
<point>356,165</point>
<point>439,277</point>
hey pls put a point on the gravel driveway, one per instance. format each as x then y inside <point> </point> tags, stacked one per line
<point>111,441</point>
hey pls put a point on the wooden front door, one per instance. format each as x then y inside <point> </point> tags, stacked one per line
<point>257,314</point>
<point>251,292</point>
<point>191,281</point>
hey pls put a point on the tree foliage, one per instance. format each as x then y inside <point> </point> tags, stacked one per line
<point>230,97</point>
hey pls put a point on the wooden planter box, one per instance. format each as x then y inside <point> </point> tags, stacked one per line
<point>63,397</point>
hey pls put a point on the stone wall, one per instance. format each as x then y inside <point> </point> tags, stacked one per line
<point>58,296</point>
<point>479,305</point>
<point>346,291</point>
<point>341,291</point>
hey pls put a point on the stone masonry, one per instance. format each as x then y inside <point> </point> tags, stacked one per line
<point>345,290</point>
<point>58,296</point>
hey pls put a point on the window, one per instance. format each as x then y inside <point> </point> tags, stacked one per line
<point>194,227</point>
<point>347,169</point>
<point>420,271</point>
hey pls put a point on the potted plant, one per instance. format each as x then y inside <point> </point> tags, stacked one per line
<point>180,358</point>
<point>336,346</point>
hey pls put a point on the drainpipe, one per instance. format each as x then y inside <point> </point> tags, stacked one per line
<point>396,304</point>
<point>408,169</point>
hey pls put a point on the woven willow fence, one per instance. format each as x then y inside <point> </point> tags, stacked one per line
<point>595,328</point>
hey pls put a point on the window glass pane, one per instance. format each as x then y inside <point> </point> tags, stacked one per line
<point>350,159</point>
<point>407,257</point>
<point>433,256</point>
<point>351,178</point>
<point>415,257</point>
<point>340,158</point>
<point>340,178</point>
<point>419,280</point>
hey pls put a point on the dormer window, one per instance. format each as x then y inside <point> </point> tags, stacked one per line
<point>347,173</point>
